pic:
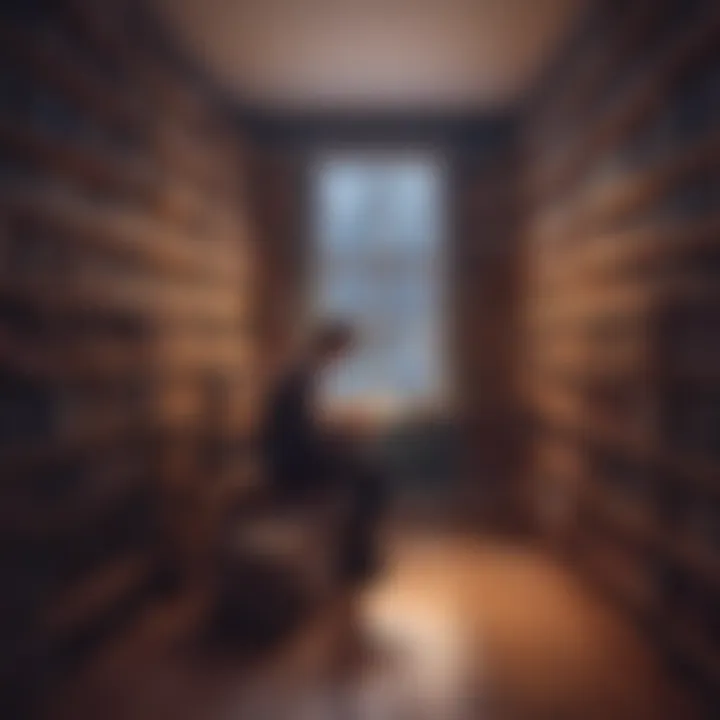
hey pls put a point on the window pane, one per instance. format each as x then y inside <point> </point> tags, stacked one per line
<point>379,236</point>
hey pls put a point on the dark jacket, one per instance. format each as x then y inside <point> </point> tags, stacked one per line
<point>292,443</point>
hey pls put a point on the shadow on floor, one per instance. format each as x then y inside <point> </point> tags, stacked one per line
<point>457,627</point>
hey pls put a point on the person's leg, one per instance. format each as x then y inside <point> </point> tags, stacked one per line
<point>365,489</point>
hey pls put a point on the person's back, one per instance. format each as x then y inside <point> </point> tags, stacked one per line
<point>291,442</point>
<point>305,462</point>
<point>298,454</point>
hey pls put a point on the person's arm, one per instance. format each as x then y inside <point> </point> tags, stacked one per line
<point>351,421</point>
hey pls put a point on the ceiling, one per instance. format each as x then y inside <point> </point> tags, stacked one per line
<point>437,55</point>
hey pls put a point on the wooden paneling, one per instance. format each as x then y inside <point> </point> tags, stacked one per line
<point>484,267</point>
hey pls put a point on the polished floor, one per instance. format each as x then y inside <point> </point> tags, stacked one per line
<point>457,627</point>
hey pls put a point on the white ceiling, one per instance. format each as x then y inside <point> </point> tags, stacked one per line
<point>365,54</point>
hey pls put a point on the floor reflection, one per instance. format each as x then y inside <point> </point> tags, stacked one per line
<point>456,628</point>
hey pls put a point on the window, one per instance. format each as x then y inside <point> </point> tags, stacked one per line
<point>379,235</point>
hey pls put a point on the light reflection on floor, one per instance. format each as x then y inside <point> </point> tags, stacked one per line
<point>456,629</point>
<point>429,669</point>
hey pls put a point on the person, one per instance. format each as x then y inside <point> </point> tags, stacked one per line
<point>309,462</point>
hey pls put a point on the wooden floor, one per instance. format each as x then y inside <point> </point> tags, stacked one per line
<point>456,628</point>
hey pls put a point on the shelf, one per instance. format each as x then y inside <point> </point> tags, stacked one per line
<point>625,299</point>
<point>617,573</point>
<point>128,343</point>
<point>87,363</point>
<point>687,51</point>
<point>119,230</point>
<point>53,63</point>
<point>626,193</point>
<point>695,646</point>
<point>94,167</point>
<point>49,62</point>
<point>621,364</point>
<point>97,596</point>
<point>588,80</point>
<point>570,412</point>
<point>585,361</point>
<point>602,257</point>
<point>30,519</point>
<point>102,168</point>
<point>692,555</point>
<point>116,429</point>
<point>98,293</point>
<point>625,516</point>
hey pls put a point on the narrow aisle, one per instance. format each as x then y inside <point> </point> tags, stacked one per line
<point>530,641</point>
<point>457,628</point>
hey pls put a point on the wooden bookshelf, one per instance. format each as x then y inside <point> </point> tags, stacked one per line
<point>128,350</point>
<point>622,320</point>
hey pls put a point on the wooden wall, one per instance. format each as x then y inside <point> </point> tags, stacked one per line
<point>485,279</point>
<point>127,351</point>
<point>277,199</point>
<point>622,319</point>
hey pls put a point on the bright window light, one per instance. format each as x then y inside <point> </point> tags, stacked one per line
<point>379,233</point>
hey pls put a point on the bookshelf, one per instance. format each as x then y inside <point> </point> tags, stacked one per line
<point>128,358</point>
<point>622,318</point>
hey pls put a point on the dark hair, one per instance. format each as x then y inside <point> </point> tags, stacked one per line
<point>332,336</point>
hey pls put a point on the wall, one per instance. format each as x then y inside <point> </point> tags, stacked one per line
<point>275,202</point>
<point>482,258</point>
<point>127,328</point>
<point>487,288</point>
<point>622,320</point>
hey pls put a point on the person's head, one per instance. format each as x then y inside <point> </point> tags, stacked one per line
<point>331,341</point>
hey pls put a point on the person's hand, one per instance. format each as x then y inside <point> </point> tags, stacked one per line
<point>348,422</point>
